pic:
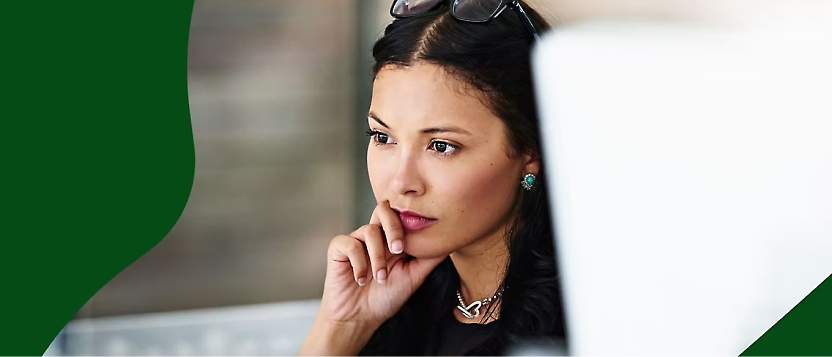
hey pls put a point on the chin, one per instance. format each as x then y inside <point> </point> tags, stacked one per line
<point>420,245</point>
<point>424,255</point>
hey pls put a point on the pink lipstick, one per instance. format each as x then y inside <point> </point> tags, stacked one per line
<point>412,221</point>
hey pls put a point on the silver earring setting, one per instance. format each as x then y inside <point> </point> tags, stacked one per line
<point>528,181</point>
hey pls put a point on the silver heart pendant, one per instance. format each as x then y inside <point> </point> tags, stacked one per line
<point>467,310</point>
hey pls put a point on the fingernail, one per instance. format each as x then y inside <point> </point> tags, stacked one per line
<point>381,276</point>
<point>397,246</point>
<point>361,281</point>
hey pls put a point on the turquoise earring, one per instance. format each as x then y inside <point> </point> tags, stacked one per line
<point>528,181</point>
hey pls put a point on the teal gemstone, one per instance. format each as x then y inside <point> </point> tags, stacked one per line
<point>530,180</point>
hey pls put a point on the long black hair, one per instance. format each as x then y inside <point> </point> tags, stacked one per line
<point>493,58</point>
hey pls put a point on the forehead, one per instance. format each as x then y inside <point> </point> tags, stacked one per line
<point>425,95</point>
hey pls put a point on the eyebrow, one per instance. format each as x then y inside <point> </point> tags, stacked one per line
<point>435,130</point>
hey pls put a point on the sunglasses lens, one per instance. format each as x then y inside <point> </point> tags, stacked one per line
<point>475,10</point>
<point>413,7</point>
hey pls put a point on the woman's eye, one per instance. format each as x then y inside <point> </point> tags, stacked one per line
<point>443,147</point>
<point>382,138</point>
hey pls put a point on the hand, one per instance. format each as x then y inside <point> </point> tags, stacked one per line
<point>368,279</point>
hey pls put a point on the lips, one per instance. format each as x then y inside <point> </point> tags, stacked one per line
<point>412,221</point>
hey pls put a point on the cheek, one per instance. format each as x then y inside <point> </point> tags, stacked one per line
<point>482,195</point>
<point>379,178</point>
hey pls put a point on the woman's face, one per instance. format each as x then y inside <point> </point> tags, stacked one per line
<point>440,153</point>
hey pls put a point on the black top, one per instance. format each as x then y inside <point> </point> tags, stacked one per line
<point>458,338</point>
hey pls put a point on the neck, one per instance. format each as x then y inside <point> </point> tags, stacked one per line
<point>481,266</point>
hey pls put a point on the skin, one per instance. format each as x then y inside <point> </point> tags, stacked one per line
<point>436,149</point>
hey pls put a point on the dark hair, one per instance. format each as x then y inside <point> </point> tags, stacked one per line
<point>493,58</point>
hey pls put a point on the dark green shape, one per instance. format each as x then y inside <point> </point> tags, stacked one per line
<point>806,330</point>
<point>97,151</point>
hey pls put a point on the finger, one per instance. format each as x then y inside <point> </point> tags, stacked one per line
<point>391,224</point>
<point>346,248</point>
<point>376,249</point>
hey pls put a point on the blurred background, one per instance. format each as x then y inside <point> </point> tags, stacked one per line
<point>278,91</point>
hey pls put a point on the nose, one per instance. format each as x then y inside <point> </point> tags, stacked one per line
<point>407,177</point>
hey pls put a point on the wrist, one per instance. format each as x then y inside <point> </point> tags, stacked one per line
<point>336,338</point>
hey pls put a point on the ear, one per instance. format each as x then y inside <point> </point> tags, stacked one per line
<point>531,164</point>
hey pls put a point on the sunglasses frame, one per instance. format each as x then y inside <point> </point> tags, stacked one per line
<point>514,4</point>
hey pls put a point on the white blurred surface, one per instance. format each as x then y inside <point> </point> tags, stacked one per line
<point>255,330</point>
<point>691,169</point>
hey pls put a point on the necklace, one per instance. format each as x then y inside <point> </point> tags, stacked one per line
<point>476,305</point>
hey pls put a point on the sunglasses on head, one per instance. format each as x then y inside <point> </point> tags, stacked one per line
<point>464,10</point>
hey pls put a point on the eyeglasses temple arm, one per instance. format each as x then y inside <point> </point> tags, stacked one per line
<point>527,21</point>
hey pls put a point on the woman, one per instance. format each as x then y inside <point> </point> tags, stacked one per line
<point>457,257</point>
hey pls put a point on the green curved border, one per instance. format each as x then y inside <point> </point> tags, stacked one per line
<point>98,159</point>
